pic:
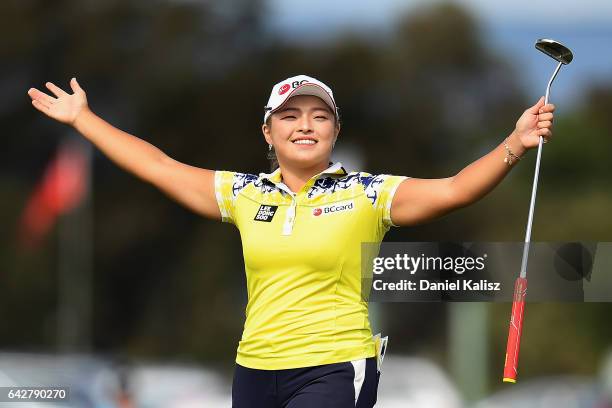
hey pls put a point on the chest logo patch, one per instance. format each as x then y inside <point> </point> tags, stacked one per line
<point>265,213</point>
<point>333,208</point>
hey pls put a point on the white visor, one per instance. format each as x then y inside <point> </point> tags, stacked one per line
<point>299,85</point>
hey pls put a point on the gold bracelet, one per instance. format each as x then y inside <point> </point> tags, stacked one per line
<point>510,156</point>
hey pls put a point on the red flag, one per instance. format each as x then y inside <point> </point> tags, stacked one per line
<point>61,189</point>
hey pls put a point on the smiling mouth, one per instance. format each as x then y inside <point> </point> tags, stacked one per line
<point>304,142</point>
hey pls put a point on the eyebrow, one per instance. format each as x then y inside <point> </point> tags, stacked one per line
<point>326,109</point>
<point>287,109</point>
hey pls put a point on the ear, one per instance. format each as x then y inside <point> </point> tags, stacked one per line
<point>266,132</point>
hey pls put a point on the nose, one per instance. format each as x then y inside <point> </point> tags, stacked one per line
<point>305,124</point>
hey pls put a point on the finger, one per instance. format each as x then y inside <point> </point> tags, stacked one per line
<point>40,106</point>
<point>75,86</point>
<point>536,108</point>
<point>43,103</point>
<point>536,138</point>
<point>546,116</point>
<point>547,108</point>
<point>57,91</point>
<point>41,96</point>
<point>544,124</point>
<point>544,132</point>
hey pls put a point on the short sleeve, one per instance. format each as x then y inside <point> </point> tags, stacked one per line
<point>385,187</point>
<point>224,186</point>
<point>228,185</point>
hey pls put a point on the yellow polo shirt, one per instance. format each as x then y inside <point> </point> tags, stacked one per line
<point>302,256</point>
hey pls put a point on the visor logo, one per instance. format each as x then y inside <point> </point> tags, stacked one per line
<point>295,84</point>
<point>283,89</point>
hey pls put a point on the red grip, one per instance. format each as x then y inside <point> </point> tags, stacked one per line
<point>514,334</point>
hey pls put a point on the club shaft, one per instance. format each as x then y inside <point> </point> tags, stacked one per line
<point>534,189</point>
<point>552,78</point>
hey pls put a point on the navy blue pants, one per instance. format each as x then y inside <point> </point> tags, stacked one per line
<point>339,385</point>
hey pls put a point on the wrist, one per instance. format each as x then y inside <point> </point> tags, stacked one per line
<point>513,149</point>
<point>80,118</point>
<point>515,144</point>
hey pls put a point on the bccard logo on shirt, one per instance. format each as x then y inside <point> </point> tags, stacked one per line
<point>265,213</point>
<point>283,89</point>
<point>333,208</point>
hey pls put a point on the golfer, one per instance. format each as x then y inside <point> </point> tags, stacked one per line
<point>307,340</point>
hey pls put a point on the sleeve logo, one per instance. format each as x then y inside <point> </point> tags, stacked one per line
<point>265,213</point>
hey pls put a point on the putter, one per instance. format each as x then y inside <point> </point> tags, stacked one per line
<point>563,56</point>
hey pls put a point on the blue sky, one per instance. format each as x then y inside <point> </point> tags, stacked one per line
<point>375,13</point>
<point>510,27</point>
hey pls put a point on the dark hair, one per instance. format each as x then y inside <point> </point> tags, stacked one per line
<point>272,154</point>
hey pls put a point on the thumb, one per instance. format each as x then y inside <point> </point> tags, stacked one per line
<point>75,85</point>
<point>535,109</point>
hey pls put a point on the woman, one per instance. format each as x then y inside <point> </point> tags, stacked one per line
<point>307,339</point>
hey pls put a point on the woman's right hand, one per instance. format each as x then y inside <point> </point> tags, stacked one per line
<point>64,107</point>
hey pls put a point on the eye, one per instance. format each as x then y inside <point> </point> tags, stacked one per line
<point>288,117</point>
<point>321,117</point>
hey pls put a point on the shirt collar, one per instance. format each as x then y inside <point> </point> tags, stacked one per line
<point>333,169</point>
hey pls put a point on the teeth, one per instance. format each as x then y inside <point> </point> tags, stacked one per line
<point>304,141</point>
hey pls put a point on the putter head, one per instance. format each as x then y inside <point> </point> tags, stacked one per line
<point>555,49</point>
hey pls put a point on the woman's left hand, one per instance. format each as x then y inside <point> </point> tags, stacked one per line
<point>535,122</point>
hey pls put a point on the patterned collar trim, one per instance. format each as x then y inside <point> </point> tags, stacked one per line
<point>333,169</point>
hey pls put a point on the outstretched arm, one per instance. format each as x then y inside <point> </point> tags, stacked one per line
<point>191,186</point>
<point>420,200</point>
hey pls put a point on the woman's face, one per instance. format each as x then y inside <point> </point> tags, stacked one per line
<point>302,132</point>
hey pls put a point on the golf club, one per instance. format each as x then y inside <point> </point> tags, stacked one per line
<point>564,56</point>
